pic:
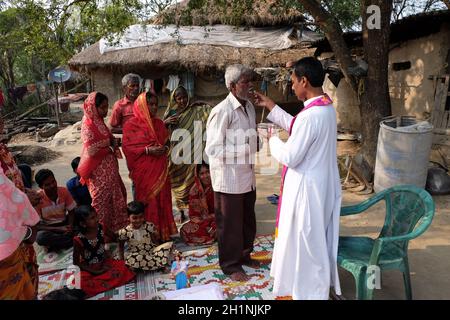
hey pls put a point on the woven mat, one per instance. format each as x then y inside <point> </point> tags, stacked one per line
<point>203,269</point>
<point>52,261</point>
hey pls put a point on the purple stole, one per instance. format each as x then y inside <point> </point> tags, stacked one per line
<point>323,100</point>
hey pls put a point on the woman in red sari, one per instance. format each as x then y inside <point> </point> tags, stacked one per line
<point>99,167</point>
<point>145,139</point>
<point>201,229</point>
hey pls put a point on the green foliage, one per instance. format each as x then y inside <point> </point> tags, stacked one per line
<point>347,12</point>
<point>37,36</point>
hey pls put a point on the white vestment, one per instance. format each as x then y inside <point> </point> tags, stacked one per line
<point>304,262</point>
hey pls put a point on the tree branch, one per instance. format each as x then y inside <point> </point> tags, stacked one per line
<point>333,32</point>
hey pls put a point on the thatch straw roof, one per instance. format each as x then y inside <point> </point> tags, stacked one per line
<point>173,56</point>
<point>256,13</point>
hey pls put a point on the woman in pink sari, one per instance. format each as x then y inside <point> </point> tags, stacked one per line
<point>145,146</point>
<point>99,167</point>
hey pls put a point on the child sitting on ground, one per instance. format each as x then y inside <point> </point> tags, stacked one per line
<point>56,211</point>
<point>79,192</point>
<point>143,252</point>
<point>99,273</point>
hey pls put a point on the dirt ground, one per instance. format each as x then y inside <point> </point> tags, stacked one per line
<point>429,255</point>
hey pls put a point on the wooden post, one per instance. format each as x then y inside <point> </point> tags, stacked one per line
<point>58,121</point>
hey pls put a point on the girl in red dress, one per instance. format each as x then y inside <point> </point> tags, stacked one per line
<point>99,273</point>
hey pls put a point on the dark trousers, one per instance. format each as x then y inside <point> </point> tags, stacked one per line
<point>54,241</point>
<point>236,229</point>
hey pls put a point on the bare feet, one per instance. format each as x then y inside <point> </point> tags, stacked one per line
<point>239,276</point>
<point>252,264</point>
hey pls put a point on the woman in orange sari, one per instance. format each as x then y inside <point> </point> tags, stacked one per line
<point>145,139</point>
<point>201,229</point>
<point>99,168</point>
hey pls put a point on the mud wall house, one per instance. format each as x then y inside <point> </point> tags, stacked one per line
<point>418,64</point>
<point>202,62</point>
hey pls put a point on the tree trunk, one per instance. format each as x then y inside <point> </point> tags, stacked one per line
<point>373,90</point>
<point>375,102</point>
<point>7,76</point>
<point>10,69</point>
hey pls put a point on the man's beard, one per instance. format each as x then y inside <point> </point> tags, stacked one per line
<point>242,97</point>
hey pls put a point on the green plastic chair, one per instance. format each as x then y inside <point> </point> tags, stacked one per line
<point>405,206</point>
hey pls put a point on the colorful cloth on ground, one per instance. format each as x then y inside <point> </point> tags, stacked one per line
<point>99,168</point>
<point>201,207</point>
<point>193,116</point>
<point>142,253</point>
<point>55,212</point>
<point>16,213</point>
<point>93,253</point>
<point>149,173</point>
<point>51,261</point>
<point>323,100</point>
<point>203,269</point>
<point>9,167</point>
<point>15,281</point>
<point>122,112</point>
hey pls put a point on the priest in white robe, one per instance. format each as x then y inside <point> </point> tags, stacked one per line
<point>304,262</point>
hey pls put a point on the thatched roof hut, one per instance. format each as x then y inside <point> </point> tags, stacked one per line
<point>197,58</point>
<point>201,57</point>
<point>206,61</point>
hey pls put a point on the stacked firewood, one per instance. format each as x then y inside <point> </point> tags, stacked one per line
<point>29,124</point>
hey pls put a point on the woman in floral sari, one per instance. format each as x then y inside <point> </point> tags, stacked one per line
<point>17,216</point>
<point>12,172</point>
<point>145,146</point>
<point>184,115</point>
<point>99,167</point>
<point>201,229</point>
